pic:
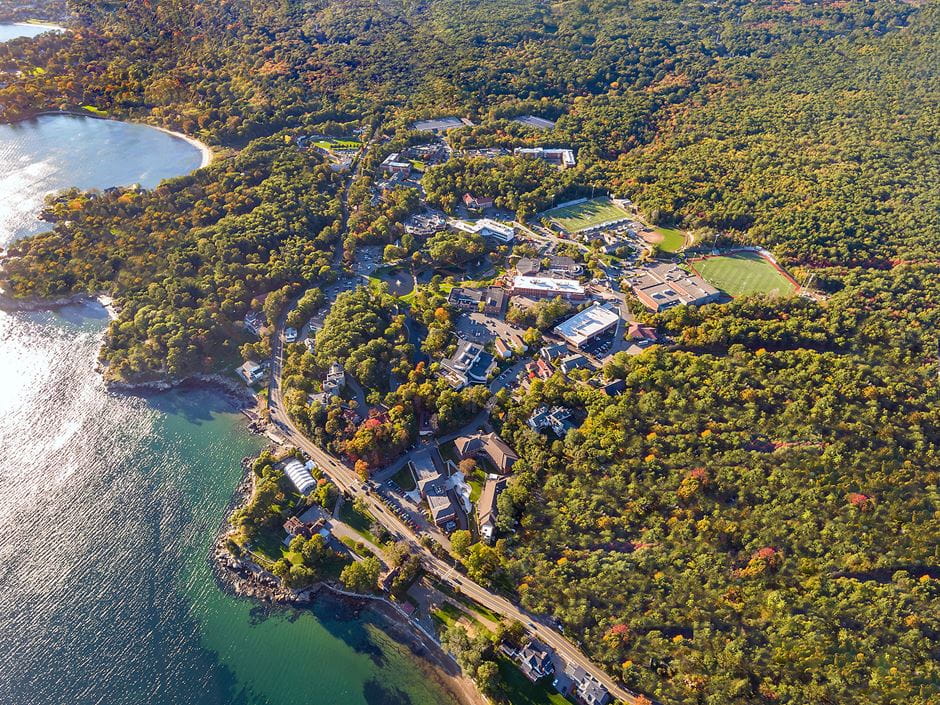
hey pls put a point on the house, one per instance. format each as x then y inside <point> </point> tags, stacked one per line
<point>299,474</point>
<point>295,527</point>
<point>290,335</point>
<point>557,418</point>
<point>310,343</point>
<point>477,203</point>
<point>564,266</point>
<point>551,353</point>
<point>528,266</point>
<point>560,157</point>
<point>572,362</point>
<point>489,445</point>
<point>255,322</point>
<point>535,661</point>
<point>542,369</point>
<point>503,350</point>
<point>335,380</point>
<point>612,389</point>
<point>642,335</point>
<point>253,372</point>
<point>493,299</point>
<point>394,164</point>
<point>585,687</point>
<point>663,285</point>
<point>427,468</point>
<point>486,506</point>
<point>546,287</point>
<point>468,364</point>
<point>592,322</point>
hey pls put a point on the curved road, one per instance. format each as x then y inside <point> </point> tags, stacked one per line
<point>348,481</point>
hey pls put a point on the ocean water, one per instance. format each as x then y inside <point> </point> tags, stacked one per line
<point>108,508</point>
<point>54,152</point>
<point>14,30</point>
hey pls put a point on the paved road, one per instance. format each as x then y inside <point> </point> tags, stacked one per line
<point>348,481</point>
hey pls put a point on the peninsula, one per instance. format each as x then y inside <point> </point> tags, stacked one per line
<point>596,343</point>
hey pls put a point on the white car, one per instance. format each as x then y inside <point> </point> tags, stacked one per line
<point>290,335</point>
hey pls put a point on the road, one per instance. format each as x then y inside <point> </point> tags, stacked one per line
<point>349,482</point>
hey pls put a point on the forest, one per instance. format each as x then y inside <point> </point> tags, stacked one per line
<point>754,520</point>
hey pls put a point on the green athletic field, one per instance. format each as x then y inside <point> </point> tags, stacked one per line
<point>744,273</point>
<point>673,240</point>
<point>585,215</point>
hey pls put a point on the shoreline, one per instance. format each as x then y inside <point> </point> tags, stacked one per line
<point>207,156</point>
<point>243,578</point>
<point>49,26</point>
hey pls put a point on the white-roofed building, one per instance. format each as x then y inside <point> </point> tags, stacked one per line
<point>298,473</point>
<point>588,324</point>
<point>541,287</point>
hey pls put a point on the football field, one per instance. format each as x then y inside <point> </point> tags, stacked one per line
<point>744,273</point>
<point>581,216</point>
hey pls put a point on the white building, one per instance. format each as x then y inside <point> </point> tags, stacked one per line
<point>298,473</point>
<point>583,327</point>
<point>553,155</point>
<point>542,287</point>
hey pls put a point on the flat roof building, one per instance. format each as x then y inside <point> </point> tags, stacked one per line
<point>553,155</point>
<point>663,285</point>
<point>547,287</point>
<point>583,327</point>
<point>469,363</point>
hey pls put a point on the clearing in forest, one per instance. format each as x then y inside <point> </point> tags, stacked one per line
<point>744,273</point>
<point>587,214</point>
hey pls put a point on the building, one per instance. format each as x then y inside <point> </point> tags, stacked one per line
<point>489,445</point>
<point>502,349</point>
<point>557,418</point>
<point>587,325</point>
<point>585,687</point>
<point>440,124</point>
<point>394,164</point>
<point>290,335</point>
<point>564,266</point>
<point>253,372</point>
<point>255,322</point>
<point>563,158</point>
<point>335,380</point>
<point>493,299</point>
<point>468,364</point>
<point>550,353</point>
<point>427,468</point>
<point>296,527</point>
<point>612,389</point>
<point>642,335</point>
<point>299,474</point>
<point>486,506</point>
<point>533,121</point>
<point>542,287</point>
<point>477,203</point>
<point>528,266</point>
<point>572,362</point>
<point>535,661</point>
<point>663,285</point>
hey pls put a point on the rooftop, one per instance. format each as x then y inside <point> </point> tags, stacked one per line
<point>560,286</point>
<point>588,323</point>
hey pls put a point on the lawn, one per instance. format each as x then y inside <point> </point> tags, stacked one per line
<point>585,215</point>
<point>338,144</point>
<point>744,273</point>
<point>404,479</point>
<point>359,521</point>
<point>520,690</point>
<point>673,240</point>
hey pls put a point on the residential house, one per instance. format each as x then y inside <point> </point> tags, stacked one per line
<point>535,661</point>
<point>502,349</point>
<point>557,418</point>
<point>469,364</point>
<point>290,335</point>
<point>585,687</point>
<point>642,335</point>
<point>489,445</point>
<point>255,322</point>
<point>253,372</point>
<point>486,506</point>
<point>612,389</point>
<point>427,468</point>
<point>551,353</point>
<point>572,362</point>
<point>335,380</point>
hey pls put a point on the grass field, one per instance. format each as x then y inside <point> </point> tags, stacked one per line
<point>520,691</point>
<point>744,273</point>
<point>585,215</point>
<point>673,240</point>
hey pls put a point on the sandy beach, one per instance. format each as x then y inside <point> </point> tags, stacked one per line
<point>203,148</point>
<point>46,25</point>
